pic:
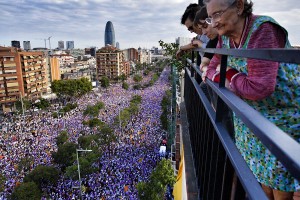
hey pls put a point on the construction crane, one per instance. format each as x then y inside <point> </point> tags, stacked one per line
<point>49,42</point>
<point>42,39</point>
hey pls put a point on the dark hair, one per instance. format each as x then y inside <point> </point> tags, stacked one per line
<point>190,12</point>
<point>200,15</point>
<point>248,6</point>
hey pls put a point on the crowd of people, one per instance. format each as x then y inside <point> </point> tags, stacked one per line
<point>134,156</point>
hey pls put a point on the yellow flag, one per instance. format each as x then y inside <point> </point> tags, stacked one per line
<point>177,191</point>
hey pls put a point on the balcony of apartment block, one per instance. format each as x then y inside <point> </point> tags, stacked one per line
<point>4,100</point>
<point>9,63</point>
<point>2,93</point>
<point>214,167</point>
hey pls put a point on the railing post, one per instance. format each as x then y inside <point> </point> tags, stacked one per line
<point>220,103</point>
<point>192,69</point>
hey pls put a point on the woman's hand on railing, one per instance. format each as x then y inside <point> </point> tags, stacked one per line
<point>203,76</point>
<point>179,53</point>
<point>203,68</point>
<point>197,43</point>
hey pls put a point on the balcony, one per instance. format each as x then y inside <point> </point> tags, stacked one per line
<point>214,167</point>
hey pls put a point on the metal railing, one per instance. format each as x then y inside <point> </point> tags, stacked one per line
<point>221,171</point>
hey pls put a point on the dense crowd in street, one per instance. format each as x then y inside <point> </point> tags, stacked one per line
<point>134,156</point>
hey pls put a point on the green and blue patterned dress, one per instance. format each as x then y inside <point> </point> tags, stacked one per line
<point>282,108</point>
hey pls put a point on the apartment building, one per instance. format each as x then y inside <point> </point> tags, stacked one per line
<point>131,54</point>
<point>22,74</point>
<point>144,56</point>
<point>111,63</point>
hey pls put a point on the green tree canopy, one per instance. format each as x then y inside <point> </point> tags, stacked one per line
<point>155,188</point>
<point>125,85</point>
<point>94,122</point>
<point>137,78</point>
<point>25,164</point>
<point>146,72</point>
<point>42,104</point>
<point>123,77</point>
<point>86,159</point>
<point>104,81</point>
<point>62,138</point>
<point>137,86</point>
<point>27,190</point>
<point>2,182</point>
<point>93,111</point>
<point>26,105</point>
<point>43,176</point>
<point>73,87</point>
<point>66,155</point>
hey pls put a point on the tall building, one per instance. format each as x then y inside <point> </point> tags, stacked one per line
<point>111,63</point>
<point>93,51</point>
<point>15,43</point>
<point>131,54</point>
<point>181,41</point>
<point>118,45</point>
<point>26,45</point>
<point>55,69</point>
<point>61,45</point>
<point>90,51</point>
<point>109,36</point>
<point>144,56</point>
<point>70,45</point>
<point>22,74</point>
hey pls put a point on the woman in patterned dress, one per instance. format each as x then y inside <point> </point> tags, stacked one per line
<point>271,88</point>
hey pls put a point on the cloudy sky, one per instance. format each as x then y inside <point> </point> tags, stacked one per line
<point>137,23</point>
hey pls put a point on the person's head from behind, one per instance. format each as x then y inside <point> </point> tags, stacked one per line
<point>200,23</point>
<point>225,15</point>
<point>189,15</point>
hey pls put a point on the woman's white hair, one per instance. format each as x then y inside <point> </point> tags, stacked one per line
<point>227,2</point>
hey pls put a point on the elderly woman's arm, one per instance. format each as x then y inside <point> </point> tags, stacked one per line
<point>260,81</point>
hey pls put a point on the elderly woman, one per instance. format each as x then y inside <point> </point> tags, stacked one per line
<point>271,88</point>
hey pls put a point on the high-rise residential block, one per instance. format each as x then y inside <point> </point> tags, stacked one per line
<point>22,74</point>
<point>181,41</point>
<point>70,45</point>
<point>54,68</point>
<point>61,45</point>
<point>111,63</point>
<point>109,35</point>
<point>131,54</point>
<point>26,45</point>
<point>15,43</point>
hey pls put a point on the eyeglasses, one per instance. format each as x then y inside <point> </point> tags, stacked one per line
<point>203,25</point>
<point>217,16</point>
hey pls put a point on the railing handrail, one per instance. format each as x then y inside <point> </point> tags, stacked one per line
<point>276,54</point>
<point>285,148</point>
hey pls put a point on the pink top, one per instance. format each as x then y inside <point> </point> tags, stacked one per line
<point>261,79</point>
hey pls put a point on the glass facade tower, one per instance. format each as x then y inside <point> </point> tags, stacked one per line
<point>109,36</point>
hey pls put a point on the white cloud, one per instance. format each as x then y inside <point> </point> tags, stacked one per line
<point>136,22</point>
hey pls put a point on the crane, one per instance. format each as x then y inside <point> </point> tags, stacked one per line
<point>42,39</point>
<point>49,42</point>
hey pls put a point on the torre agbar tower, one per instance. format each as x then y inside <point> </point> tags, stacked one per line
<point>109,36</point>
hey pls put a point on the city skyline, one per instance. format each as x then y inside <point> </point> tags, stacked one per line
<point>136,23</point>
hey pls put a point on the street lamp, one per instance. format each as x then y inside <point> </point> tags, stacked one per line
<point>77,150</point>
